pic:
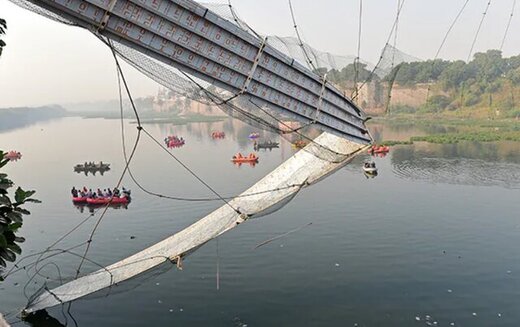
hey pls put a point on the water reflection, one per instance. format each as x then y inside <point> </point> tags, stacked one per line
<point>250,164</point>
<point>468,163</point>
<point>90,172</point>
<point>92,207</point>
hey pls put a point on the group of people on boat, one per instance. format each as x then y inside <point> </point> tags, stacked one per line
<point>85,193</point>
<point>254,136</point>
<point>378,149</point>
<point>241,158</point>
<point>92,165</point>
<point>174,141</point>
<point>265,145</point>
<point>218,135</point>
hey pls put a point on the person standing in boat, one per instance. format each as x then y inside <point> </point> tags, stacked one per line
<point>74,192</point>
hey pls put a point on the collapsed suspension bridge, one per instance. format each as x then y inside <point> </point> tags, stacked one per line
<point>201,55</point>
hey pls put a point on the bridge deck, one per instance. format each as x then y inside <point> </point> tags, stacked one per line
<point>188,36</point>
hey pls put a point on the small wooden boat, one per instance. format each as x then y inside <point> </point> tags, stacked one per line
<point>370,168</point>
<point>266,145</point>
<point>92,167</point>
<point>254,136</point>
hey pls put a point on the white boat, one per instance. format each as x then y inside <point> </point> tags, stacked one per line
<point>370,168</point>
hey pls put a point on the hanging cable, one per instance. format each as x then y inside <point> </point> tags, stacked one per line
<point>442,44</point>
<point>302,45</point>
<point>478,31</point>
<point>140,128</point>
<point>373,71</point>
<point>356,60</point>
<point>471,50</point>
<point>501,48</point>
<point>393,71</point>
<point>134,149</point>
<point>508,25</point>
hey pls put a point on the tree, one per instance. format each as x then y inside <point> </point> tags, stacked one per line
<point>11,217</point>
<point>3,28</point>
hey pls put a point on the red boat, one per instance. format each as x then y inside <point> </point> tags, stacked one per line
<point>175,144</point>
<point>218,135</point>
<point>79,199</point>
<point>173,141</point>
<point>241,159</point>
<point>113,200</point>
<point>378,149</point>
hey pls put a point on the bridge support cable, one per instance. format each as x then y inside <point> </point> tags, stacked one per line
<point>358,53</point>
<point>373,71</point>
<point>470,54</point>
<point>444,39</point>
<point>508,25</point>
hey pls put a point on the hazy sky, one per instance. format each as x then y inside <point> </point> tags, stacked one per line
<point>47,62</point>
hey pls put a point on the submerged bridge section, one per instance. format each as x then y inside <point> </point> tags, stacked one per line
<point>193,39</point>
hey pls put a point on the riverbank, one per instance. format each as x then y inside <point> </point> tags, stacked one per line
<point>446,130</point>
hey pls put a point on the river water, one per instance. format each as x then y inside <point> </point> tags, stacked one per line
<point>433,240</point>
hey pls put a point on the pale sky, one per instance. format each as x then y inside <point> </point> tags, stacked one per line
<point>46,62</point>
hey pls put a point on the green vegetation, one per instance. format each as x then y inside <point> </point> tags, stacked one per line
<point>452,131</point>
<point>3,28</point>
<point>11,217</point>
<point>393,142</point>
<point>451,138</point>
<point>488,81</point>
<point>346,77</point>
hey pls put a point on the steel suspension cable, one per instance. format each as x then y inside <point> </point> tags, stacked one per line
<point>445,38</point>
<point>356,60</point>
<point>394,26</point>
<point>508,25</point>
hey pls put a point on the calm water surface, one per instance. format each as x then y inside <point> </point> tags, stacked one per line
<point>434,238</point>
